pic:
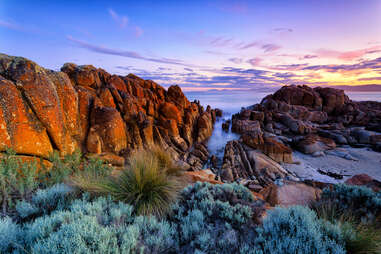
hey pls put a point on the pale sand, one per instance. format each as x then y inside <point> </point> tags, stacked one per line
<point>368,162</point>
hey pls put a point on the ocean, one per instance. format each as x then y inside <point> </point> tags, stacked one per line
<point>231,102</point>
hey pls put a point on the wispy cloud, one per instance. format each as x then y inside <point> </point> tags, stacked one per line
<point>283,30</point>
<point>10,25</point>
<point>270,47</point>
<point>369,79</point>
<point>124,53</point>
<point>122,21</point>
<point>236,60</point>
<point>255,61</point>
<point>138,31</point>
<point>366,65</point>
<point>347,55</point>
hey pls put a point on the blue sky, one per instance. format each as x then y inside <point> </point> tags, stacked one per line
<point>203,45</point>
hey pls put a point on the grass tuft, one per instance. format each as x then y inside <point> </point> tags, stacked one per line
<point>150,182</point>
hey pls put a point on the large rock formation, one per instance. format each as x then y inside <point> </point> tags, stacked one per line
<point>311,120</point>
<point>86,108</point>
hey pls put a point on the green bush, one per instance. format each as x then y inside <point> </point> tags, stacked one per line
<point>18,180</point>
<point>298,230</point>
<point>363,203</point>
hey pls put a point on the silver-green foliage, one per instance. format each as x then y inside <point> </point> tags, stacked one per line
<point>361,201</point>
<point>298,230</point>
<point>10,235</point>
<point>44,201</point>
<point>100,226</point>
<point>214,218</point>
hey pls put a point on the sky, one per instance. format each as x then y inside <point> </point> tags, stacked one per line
<point>203,45</point>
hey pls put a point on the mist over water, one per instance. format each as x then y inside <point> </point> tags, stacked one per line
<point>231,102</point>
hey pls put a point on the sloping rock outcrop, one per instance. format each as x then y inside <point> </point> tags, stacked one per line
<point>86,108</point>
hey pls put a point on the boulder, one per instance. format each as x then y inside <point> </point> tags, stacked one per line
<point>311,144</point>
<point>364,180</point>
<point>290,193</point>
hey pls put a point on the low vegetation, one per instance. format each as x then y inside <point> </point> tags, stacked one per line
<point>145,208</point>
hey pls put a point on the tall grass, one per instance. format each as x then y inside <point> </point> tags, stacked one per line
<point>150,182</point>
<point>17,180</point>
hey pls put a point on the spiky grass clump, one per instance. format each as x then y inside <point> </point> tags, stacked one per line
<point>150,182</point>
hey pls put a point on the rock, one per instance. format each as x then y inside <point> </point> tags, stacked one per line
<point>202,176</point>
<point>245,126</point>
<point>177,96</point>
<point>333,99</point>
<point>269,146</point>
<point>243,162</point>
<point>21,129</point>
<point>226,126</point>
<point>364,180</point>
<point>109,158</point>
<point>311,144</point>
<point>218,112</point>
<point>299,95</point>
<point>290,193</point>
<point>362,136</point>
<point>108,128</point>
<point>204,126</point>
<point>84,107</point>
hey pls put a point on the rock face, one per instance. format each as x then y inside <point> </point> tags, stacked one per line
<point>86,108</point>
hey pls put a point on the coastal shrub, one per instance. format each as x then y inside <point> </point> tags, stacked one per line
<point>17,180</point>
<point>45,201</point>
<point>363,203</point>
<point>298,230</point>
<point>10,235</point>
<point>150,183</point>
<point>214,218</point>
<point>99,226</point>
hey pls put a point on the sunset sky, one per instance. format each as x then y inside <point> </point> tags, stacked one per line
<point>203,45</point>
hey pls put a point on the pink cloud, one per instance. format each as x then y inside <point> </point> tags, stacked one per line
<point>11,26</point>
<point>255,61</point>
<point>347,55</point>
<point>122,21</point>
<point>138,31</point>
